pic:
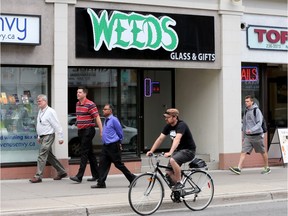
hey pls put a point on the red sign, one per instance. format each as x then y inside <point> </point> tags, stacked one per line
<point>249,74</point>
<point>273,35</point>
<point>268,38</point>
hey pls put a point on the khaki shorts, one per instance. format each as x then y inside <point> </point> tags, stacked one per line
<point>253,142</point>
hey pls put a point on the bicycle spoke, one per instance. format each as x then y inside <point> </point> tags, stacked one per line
<point>147,194</point>
<point>199,190</point>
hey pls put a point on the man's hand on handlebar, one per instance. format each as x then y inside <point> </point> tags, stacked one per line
<point>149,154</point>
<point>167,154</point>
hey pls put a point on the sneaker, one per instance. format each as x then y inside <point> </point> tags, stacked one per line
<point>266,170</point>
<point>235,170</point>
<point>178,186</point>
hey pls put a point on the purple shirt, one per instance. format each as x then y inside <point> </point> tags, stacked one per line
<point>112,130</point>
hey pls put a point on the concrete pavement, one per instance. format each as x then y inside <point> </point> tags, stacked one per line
<point>20,197</point>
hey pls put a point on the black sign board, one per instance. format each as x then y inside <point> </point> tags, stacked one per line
<point>113,34</point>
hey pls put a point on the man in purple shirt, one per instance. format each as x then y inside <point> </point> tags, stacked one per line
<point>112,136</point>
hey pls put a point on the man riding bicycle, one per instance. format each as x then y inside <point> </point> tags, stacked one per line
<point>183,146</point>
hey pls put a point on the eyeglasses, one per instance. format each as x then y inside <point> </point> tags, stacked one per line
<point>167,117</point>
<point>106,109</point>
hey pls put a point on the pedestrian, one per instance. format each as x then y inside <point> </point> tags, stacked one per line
<point>182,148</point>
<point>87,117</point>
<point>252,135</point>
<point>47,125</point>
<point>111,149</point>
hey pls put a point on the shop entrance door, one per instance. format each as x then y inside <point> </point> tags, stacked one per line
<point>277,98</point>
<point>155,104</point>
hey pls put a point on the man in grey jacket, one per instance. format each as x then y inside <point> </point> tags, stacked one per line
<point>253,136</point>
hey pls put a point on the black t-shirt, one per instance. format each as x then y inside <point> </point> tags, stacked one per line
<point>186,141</point>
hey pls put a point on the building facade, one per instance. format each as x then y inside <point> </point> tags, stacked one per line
<point>202,57</point>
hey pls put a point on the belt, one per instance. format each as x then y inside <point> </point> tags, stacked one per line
<point>256,134</point>
<point>41,136</point>
<point>112,143</point>
<point>86,128</point>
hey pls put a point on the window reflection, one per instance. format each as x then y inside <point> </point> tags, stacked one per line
<point>117,87</point>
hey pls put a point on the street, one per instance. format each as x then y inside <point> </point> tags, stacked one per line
<point>267,208</point>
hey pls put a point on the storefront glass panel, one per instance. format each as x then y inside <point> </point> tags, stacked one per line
<point>115,86</point>
<point>19,89</point>
<point>251,76</point>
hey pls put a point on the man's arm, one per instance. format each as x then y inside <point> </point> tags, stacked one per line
<point>99,123</point>
<point>156,144</point>
<point>118,128</point>
<point>175,144</point>
<point>54,121</point>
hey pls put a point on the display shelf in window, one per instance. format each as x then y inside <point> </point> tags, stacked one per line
<point>18,118</point>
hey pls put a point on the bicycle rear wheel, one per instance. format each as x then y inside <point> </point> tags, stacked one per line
<point>146,194</point>
<point>199,190</point>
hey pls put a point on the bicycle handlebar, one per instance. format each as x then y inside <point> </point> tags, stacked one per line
<point>156,155</point>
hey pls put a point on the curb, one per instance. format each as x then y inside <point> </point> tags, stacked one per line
<point>166,204</point>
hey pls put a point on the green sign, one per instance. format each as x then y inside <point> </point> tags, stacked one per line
<point>132,30</point>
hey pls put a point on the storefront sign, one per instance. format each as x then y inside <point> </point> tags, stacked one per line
<point>268,38</point>
<point>20,29</point>
<point>249,74</point>
<point>131,35</point>
<point>19,141</point>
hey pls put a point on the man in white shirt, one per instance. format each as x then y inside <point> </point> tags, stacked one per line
<point>47,125</point>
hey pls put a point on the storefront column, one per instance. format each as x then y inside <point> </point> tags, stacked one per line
<point>59,72</point>
<point>230,84</point>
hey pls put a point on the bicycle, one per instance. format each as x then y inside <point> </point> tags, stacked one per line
<point>146,192</point>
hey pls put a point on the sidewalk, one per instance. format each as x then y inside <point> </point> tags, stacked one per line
<point>20,197</point>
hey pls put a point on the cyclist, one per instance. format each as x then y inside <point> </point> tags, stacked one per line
<point>183,146</point>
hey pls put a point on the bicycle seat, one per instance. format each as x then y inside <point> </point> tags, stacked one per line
<point>197,163</point>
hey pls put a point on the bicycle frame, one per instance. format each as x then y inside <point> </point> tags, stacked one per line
<point>157,169</point>
<point>184,173</point>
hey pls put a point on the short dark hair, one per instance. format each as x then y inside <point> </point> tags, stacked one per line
<point>250,97</point>
<point>110,106</point>
<point>85,90</point>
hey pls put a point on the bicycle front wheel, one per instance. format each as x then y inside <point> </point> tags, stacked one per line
<point>198,190</point>
<point>146,194</point>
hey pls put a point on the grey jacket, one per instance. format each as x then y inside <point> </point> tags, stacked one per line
<point>252,123</point>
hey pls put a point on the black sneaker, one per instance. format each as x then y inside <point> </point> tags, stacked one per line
<point>92,179</point>
<point>178,186</point>
<point>76,179</point>
<point>98,185</point>
<point>235,170</point>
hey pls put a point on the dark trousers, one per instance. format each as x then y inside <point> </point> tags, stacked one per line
<point>111,153</point>
<point>86,135</point>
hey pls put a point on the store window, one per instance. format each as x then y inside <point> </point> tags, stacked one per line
<point>105,85</point>
<point>18,112</point>
<point>250,76</point>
